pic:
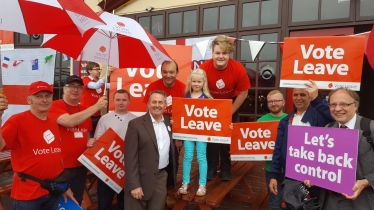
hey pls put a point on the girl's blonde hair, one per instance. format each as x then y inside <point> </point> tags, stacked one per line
<point>205,85</point>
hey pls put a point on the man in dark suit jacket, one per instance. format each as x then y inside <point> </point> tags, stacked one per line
<point>343,107</point>
<point>149,149</point>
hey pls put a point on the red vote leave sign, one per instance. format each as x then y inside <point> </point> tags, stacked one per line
<point>106,160</point>
<point>206,120</point>
<point>253,140</point>
<point>331,61</point>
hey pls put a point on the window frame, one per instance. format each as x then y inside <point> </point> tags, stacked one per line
<point>182,10</point>
<point>132,16</point>
<point>257,62</point>
<point>150,14</point>
<point>240,16</point>
<point>319,21</point>
<point>218,31</point>
<point>61,83</point>
<point>18,44</point>
<point>358,17</point>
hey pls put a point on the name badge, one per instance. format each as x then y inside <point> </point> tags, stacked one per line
<point>169,101</point>
<point>78,134</point>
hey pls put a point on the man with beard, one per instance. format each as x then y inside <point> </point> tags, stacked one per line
<point>275,101</point>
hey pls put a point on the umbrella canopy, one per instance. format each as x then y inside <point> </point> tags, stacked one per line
<point>47,16</point>
<point>121,43</point>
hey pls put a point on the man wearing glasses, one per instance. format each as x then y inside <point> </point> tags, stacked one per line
<point>75,123</point>
<point>275,101</point>
<point>309,110</point>
<point>93,89</point>
<point>344,105</point>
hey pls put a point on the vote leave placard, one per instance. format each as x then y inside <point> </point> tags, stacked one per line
<point>106,160</point>
<point>325,156</point>
<point>331,61</point>
<point>206,120</point>
<point>253,140</point>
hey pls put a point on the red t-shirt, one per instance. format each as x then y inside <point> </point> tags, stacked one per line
<point>91,96</point>
<point>35,147</point>
<point>226,84</point>
<point>176,91</point>
<point>72,147</point>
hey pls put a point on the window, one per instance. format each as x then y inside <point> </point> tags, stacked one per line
<point>182,22</point>
<point>304,10</point>
<point>153,23</point>
<point>28,41</point>
<point>365,10</point>
<point>323,11</point>
<point>62,71</point>
<point>250,14</point>
<point>332,9</point>
<point>263,72</point>
<point>259,14</point>
<point>221,18</point>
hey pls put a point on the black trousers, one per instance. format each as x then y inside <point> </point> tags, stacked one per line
<point>78,182</point>
<point>172,175</point>
<point>214,151</point>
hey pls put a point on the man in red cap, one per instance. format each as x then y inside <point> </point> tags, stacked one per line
<point>34,141</point>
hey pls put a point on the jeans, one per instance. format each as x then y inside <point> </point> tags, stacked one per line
<point>105,196</point>
<point>95,120</point>
<point>46,202</point>
<point>275,201</point>
<point>201,158</point>
<point>78,182</point>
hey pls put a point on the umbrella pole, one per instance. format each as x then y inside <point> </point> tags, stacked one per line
<point>106,78</point>
<point>107,63</point>
<point>80,65</point>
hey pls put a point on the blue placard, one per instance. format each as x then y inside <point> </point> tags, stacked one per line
<point>69,205</point>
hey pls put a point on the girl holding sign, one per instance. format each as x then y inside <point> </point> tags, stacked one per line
<point>197,87</point>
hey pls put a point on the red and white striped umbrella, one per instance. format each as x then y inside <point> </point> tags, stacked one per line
<point>122,43</point>
<point>47,16</point>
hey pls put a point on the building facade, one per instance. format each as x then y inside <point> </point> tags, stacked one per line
<point>262,20</point>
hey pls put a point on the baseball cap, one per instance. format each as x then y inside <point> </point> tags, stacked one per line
<point>74,78</point>
<point>38,86</point>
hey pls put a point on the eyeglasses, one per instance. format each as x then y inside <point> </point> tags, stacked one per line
<point>343,105</point>
<point>73,87</point>
<point>97,69</point>
<point>275,102</point>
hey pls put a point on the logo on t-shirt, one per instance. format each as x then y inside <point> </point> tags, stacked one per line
<point>48,136</point>
<point>98,90</point>
<point>220,84</point>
